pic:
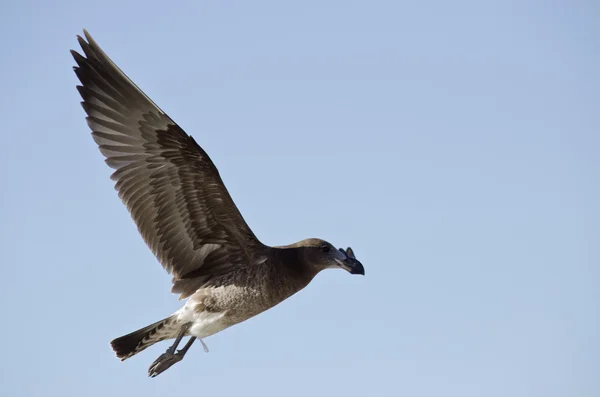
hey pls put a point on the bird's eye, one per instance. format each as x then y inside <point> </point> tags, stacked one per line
<point>325,248</point>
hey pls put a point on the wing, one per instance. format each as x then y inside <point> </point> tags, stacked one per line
<point>167,181</point>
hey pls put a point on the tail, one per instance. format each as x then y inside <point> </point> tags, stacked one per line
<point>133,343</point>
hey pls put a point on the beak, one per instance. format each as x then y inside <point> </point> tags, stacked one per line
<point>350,264</point>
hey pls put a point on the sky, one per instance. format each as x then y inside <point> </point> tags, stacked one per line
<point>453,145</point>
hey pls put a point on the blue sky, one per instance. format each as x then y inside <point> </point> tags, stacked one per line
<point>453,145</point>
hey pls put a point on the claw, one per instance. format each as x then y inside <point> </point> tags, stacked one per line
<point>348,252</point>
<point>163,362</point>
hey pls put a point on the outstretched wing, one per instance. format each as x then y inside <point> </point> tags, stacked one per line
<point>167,181</point>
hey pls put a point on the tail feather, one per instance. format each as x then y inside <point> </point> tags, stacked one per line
<point>133,343</point>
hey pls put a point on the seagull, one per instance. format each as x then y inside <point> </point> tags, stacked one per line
<point>186,216</point>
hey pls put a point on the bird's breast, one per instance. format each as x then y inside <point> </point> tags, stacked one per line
<point>233,299</point>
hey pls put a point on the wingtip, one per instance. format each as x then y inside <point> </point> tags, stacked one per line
<point>86,34</point>
<point>79,59</point>
<point>89,38</point>
<point>82,42</point>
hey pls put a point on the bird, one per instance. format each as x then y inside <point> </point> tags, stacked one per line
<point>185,215</point>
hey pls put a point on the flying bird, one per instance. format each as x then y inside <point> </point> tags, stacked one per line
<point>186,216</point>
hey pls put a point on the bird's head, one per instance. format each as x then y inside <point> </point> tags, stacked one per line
<point>320,255</point>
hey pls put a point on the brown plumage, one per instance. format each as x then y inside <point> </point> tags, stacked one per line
<point>186,216</point>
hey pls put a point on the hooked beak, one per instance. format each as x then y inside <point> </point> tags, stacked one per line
<point>350,263</point>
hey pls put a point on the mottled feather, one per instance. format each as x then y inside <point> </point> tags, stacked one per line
<point>167,181</point>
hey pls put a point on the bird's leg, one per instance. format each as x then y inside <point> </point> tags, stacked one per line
<point>168,358</point>
<point>180,336</point>
<point>187,347</point>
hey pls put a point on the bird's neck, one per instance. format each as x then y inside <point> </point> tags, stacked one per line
<point>293,266</point>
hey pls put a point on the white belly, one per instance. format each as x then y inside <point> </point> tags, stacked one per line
<point>203,324</point>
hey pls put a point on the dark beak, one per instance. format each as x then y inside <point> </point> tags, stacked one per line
<point>351,264</point>
<point>354,266</point>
